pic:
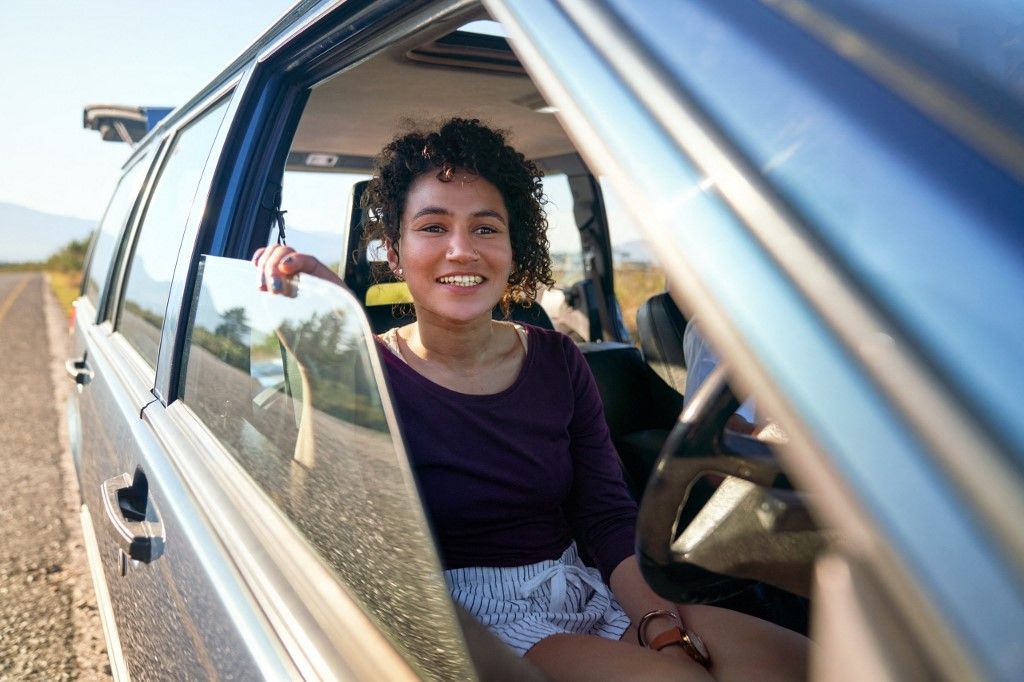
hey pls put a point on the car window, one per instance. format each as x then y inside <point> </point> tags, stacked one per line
<point>563,235</point>
<point>290,388</point>
<point>637,275</point>
<point>318,206</point>
<point>163,224</point>
<point>110,228</point>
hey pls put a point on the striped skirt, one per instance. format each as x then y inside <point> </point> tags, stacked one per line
<point>524,604</point>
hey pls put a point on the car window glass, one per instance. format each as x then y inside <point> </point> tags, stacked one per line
<point>566,258</point>
<point>156,248</point>
<point>111,226</point>
<point>563,235</point>
<point>290,388</point>
<point>637,276</point>
<point>319,206</point>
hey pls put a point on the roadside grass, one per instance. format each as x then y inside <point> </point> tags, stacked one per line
<point>634,284</point>
<point>66,286</point>
<point>64,268</point>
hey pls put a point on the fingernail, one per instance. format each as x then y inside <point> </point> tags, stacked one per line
<point>287,259</point>
<point>275,283</point>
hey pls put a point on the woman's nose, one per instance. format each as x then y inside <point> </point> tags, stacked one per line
<point>460,247</point>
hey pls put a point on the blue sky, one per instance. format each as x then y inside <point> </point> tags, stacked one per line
<point>59,56</point>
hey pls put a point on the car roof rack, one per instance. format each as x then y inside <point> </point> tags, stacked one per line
<point>122,123</point>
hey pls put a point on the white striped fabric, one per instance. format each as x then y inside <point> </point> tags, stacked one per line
<point>524,604</point>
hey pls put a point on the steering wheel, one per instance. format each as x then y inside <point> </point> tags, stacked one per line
<point>699,445</point>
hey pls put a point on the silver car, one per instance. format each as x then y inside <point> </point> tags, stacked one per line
<point>833,189</point>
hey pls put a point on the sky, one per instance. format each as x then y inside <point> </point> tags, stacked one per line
<point>59,56</point>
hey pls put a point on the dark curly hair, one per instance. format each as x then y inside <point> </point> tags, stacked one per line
<point>466,144</point>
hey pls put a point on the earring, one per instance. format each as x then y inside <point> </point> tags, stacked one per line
<point>399,272</point>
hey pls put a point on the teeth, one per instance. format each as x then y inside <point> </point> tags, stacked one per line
<point>461,280</point>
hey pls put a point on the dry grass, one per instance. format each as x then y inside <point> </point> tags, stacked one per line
<point>66,286</point>
<point>634,284</point>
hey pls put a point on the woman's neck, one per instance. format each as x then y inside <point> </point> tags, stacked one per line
<point>458,345</point>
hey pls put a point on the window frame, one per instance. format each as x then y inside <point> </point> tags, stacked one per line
<point>222,97</point>
<point>110,281</point>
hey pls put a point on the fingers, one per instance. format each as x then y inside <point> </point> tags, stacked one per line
<point>276,262</point>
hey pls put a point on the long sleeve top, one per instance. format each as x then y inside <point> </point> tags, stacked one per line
<point>511,478</point>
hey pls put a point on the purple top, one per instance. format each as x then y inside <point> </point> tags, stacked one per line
<point>511,478</point>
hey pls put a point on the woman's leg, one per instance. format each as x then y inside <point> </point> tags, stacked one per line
<point>742,648</point>
<point>746,648</point>
<point>588,657</point>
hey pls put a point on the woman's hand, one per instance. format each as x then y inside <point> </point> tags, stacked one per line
<point>277,263</point>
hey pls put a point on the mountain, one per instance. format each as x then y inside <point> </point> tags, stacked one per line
<point>29,235</point>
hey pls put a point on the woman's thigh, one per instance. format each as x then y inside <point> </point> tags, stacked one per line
<point>587,658</point>
<point>743,647</point>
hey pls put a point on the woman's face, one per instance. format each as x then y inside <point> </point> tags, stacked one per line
<point>455,251</point>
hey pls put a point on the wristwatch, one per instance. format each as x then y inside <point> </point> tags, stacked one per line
<point>690,642</point>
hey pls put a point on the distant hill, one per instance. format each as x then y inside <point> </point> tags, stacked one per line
<point>29,235</point>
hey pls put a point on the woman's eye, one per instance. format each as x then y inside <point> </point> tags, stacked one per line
<point>486,229</point>
<point>432,228</point>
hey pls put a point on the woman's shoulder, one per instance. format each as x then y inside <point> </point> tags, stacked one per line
<point>552,342</point>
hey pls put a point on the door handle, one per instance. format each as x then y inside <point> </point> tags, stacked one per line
<point>78,370</point>
<point>137,526</point>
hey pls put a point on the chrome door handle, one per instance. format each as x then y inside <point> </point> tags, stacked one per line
<point>78,370</point>
<point>137,525</point>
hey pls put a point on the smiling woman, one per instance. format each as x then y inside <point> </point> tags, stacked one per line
<point>506,431</point>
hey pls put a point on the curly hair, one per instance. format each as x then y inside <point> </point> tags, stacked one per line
<point>469,145</point>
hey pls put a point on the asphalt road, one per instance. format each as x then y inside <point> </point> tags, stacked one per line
<point>49,627</point>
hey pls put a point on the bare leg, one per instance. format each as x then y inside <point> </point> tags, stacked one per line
<point>587,658</point>
<point>746,648</point>
<point>741,648</point>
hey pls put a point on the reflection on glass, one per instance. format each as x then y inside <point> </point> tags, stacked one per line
<point>156,249</point>
<point>109,230</point>
<point>930,229</point>
<point>287,386</point>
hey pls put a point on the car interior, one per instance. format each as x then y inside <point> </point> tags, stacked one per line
<point>720,522</point>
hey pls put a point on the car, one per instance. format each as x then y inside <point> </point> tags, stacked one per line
<point>834,190</point>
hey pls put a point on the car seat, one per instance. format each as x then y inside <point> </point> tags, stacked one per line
<point>660,326</point>
<point>639,406</point>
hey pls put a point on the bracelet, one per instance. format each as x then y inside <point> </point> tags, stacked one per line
<point>642,626</point>
<point>690,642</point>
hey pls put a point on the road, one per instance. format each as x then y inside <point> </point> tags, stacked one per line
<point>49,627</point>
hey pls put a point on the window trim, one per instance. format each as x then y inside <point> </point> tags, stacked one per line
<point>110,280</point>
<point>130,244</point>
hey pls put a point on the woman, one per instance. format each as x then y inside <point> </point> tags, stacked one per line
<point>507,435</point>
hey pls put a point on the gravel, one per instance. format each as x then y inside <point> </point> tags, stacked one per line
<point>49,623</point>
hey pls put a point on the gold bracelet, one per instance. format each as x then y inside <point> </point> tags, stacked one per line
<point>642,626</point>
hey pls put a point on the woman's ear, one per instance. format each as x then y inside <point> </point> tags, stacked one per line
<point>393,258</point>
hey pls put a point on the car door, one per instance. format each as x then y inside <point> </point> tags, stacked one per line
<point>158,609</point>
